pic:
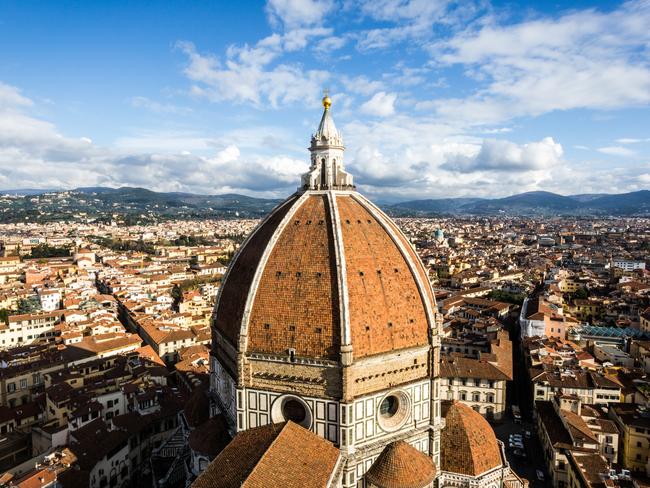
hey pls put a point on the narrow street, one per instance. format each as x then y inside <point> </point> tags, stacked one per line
<point>519,393</point>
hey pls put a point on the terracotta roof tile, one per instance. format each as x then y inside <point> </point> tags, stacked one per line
<point>386,309</point>
<point>468,443</point>
<point>297,300</point>
<point>235,289</point>
<point>297,303</point>
<point>272,456</point>
<point>400,465</point>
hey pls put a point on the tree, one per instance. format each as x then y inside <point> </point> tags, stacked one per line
<point>46,251</point>
<point>28,305</point>
<point>177,294</point>
<point>581,293</point>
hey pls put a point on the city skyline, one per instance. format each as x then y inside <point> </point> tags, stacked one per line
<point>434,99</point>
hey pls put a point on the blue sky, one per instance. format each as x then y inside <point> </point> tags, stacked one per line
<point>434,98</point>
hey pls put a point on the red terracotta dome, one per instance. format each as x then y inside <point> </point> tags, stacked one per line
<point>400,465</point>
<point>468,443</point>
<point>325,269</point>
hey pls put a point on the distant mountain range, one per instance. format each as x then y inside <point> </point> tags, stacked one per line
<point>141,205</point>
<point>531,203</point>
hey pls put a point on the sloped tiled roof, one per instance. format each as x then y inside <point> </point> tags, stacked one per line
<point>275,455</point>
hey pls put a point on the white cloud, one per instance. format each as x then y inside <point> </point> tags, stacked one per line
<point>228,155</point>
<point>298,13</point>
<point>381,104</point>
<point>616,151</point>
<point>330,44</point>
<point>498,155</point>
<point>584,59</point>
<point>497,130</point>
<point>629,140</point>
<point>10,96</point>
<point>408,19</point>
<point>248,75</point>
<point>33,154</point>
<point>361,84</point>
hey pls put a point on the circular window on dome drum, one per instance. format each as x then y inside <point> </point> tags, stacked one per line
<point>290,407</point>
<point>294,410</point>
<point>393,410</point>
<point>389,406</point>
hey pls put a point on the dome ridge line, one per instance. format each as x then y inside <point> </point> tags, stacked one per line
<point>383,221</point>
<point>341,266</point>
<point>242,246</point>
<point>261,265</point>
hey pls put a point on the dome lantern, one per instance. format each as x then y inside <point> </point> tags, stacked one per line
<point>326,171</point>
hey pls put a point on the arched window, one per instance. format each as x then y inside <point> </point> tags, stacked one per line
<point>476,396</point>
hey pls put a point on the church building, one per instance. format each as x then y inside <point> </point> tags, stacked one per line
<point>326,351</point>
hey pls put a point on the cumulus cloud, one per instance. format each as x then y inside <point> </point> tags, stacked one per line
<point>583,59</point>
<point>440,146</point>
<point>250,75</point>
<point>34,154</point>
<point>10,96</point>
<point>408,19</point>
<point>498,155</point>
<point>298,13</point>
<point>381,104</point>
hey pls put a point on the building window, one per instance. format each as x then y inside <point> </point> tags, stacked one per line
<point>11,387</point>
<point>476,397</point>
<point>23,384</point>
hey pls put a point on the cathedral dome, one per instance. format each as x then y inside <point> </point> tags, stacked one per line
<point>468,443</point>
<point>400,465</point>
<point>327,275</point>
<point>324,270</point>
